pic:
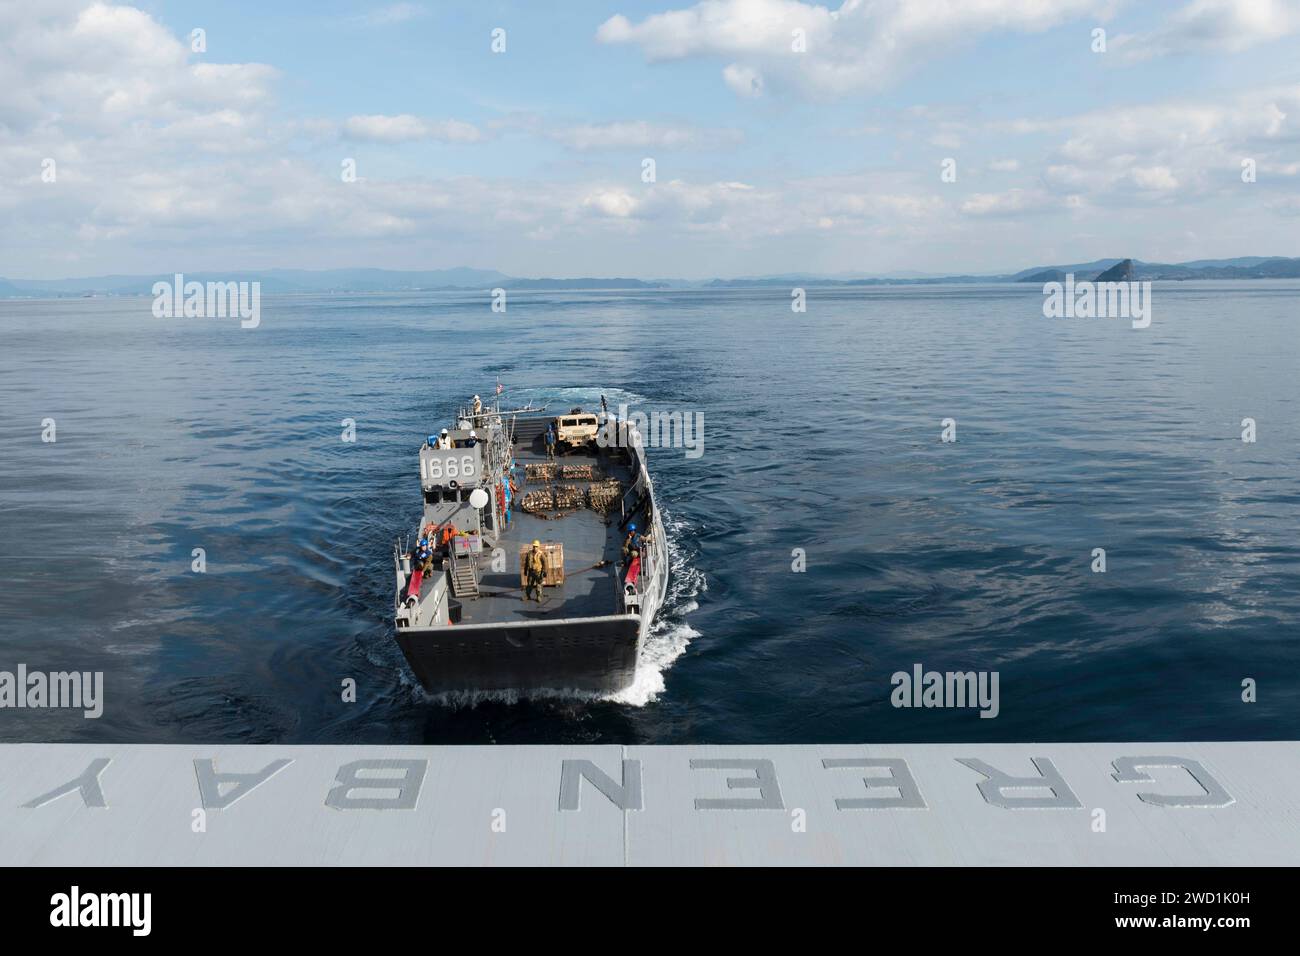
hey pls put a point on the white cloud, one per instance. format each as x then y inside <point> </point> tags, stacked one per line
<point>394,13</point>
<point>640,134</point>
<point>864,44</point>
<point>167,160</point>
<point>93,69</point>
<point>1228,26</point>
<point>617,203</point>
<point>1009,203</point>
<point>1155,178</point>
<point>746,214</point>
<point>743,80</point>
<point>1287,206</point>
<point>403,128</point>
<point>166,163</point>
<point>1181,147</point>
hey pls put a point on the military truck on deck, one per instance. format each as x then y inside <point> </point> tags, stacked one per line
<point>577,429</point>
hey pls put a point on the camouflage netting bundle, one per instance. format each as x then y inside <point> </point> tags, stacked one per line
<point>604,495</point>
<point>568,497</point>
<point>557,500</point>
<point>538,502</point>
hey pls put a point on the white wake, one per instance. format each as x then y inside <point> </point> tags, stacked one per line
<point>669,635</point>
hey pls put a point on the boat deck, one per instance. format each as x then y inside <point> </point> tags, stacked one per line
<point>589,538</point>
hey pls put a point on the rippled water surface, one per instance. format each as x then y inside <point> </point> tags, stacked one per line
<point>822,433</point>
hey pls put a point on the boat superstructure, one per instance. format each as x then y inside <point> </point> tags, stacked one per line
<point>489,490</point>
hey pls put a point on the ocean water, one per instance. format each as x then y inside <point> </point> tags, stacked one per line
<point>821,433</point>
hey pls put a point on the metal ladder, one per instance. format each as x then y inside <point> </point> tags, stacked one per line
<point>464,579</point>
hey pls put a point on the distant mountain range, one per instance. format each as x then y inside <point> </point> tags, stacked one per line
<point>302,281</point>
<point>1245,267</point>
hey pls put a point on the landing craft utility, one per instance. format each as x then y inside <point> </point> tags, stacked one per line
<point>536,564</point>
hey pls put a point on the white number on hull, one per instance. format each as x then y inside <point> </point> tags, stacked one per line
<point>435,469</point>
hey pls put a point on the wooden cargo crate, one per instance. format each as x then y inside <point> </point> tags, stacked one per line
<point>553,551</point>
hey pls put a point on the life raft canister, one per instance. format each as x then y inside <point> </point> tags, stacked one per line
<point>417,578</point>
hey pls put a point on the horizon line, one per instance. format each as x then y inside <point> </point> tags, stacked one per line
<point>840,276</point>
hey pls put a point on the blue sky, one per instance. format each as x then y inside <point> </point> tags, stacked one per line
<point>767,159</point>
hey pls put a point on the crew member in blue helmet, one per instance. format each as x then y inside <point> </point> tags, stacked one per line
<point>631,544</point>
<point>423,556</point>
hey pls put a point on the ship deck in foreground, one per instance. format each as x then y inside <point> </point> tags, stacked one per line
<point>973,804</point>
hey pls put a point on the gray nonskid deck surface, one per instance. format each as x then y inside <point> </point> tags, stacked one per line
<point>512,805</point>
<point>588,539</point>
<point>585,593</point>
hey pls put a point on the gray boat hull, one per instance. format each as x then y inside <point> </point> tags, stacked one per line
<point>595,655</point>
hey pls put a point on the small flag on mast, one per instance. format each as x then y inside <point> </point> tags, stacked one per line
<point>500,388</point>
